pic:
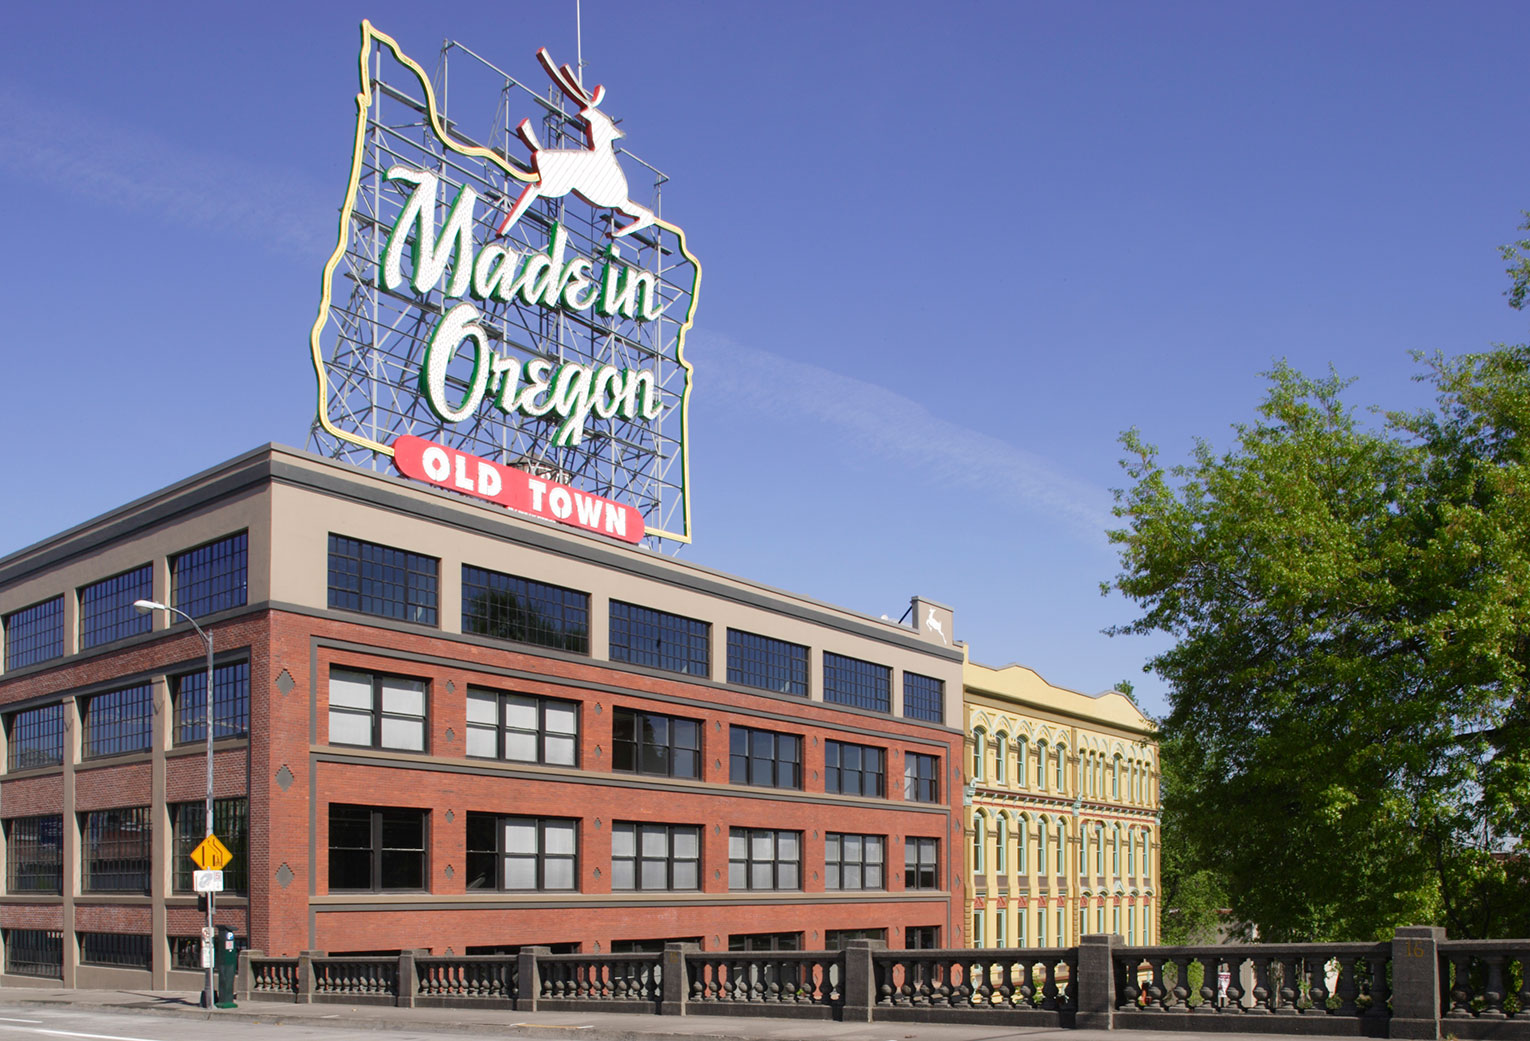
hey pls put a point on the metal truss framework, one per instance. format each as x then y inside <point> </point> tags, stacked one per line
<point>372,342</point>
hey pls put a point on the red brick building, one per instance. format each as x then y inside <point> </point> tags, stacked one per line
<point>444,726</point>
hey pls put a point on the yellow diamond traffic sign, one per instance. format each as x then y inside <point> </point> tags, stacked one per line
<point>211,855</point>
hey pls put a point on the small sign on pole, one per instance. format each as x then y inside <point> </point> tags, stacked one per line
<point>207,881</point>
<point>211,855</point>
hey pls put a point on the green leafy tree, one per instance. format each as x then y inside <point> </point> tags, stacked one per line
<point>1348,747</point>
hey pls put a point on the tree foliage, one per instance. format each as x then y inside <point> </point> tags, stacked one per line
<point>1348,746</point>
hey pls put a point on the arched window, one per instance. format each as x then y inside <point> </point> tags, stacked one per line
<point>1041,927</point>
<point>979,843</point>
<point>977,929</point>
<point>1000,754</point>
<point>1001,846</point>
<point>1020,917</point>
<point>1083,851</point>
<point>1115,778</point>
<point>979,745</point>
<point>1115,852</point>
<point>1099,775</point>
<point>1062,847</point>
<point>1041,846</point>
<point>1099,855</point>
<point>1020,762</point>
<point>1083,773</point>
<point>1145,859</point>
<point>1041,764</point>
<point>1062,761</point>
<point>1131,853</point>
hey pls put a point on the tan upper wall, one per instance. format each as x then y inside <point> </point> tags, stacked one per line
<point>1026,690</point>
<point>291,501</point>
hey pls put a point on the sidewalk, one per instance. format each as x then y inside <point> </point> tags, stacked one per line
<point>592,1026</point>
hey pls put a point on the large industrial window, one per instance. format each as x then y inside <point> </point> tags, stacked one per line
<point>921,937</point>
<point>34,854</point>
<point>759,661</point>
<point>861,684</point>
<point>34,634</point>
<point>924,698</point>
<point>119,950</point>
<point>921,777</point>
<point>764,758</point>
<point>522,728</point>
<point>231,823</point>
<point>36,738</point>
<point>655,856</point>
<point>511,608</point>
<point>211,578</point>
<point>106,607</point>
<point>920,861</point>
<point>34,952</point>
<point>119,722</point>
<point>853,769</point>
<point>374,849</point>
<point>231,703</point>
<point>522,853</point>
<point>381,580</point>
<point>764,942</point>
<point>117,851</point>
<point>763,859</point>
<point>659,640</point>
<point>839,939</point>
<point>853,861</point>
<point>662,746</point>
<point>376,711</point>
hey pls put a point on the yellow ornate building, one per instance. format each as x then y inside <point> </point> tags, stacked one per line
<point>1062,812</point>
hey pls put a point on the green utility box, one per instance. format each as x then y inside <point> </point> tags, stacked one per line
<point>225,966</point>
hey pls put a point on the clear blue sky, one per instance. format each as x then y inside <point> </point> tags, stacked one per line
<point>951,251</point>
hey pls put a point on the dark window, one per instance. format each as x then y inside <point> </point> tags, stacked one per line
<point>764,758</point>
<point>921,938</point>
<point>655,856</point>
<point>763,859</point>
<point>839,939</point>
<point>854,769</point>
<point>522,853</point>
<point>921,777</point>
<point>376,711</point>
<point>511,608</point>
<point>652,946</point>
<point>759,661</point>
<point>232,826</point>
<point>34,854</point>
<point>34,952</point>
<point>853,861</point>
<point>117,856</point>
<point>920,862</point>
<point>119,722</point>
<point>211,578</point>
<point>381,580</point>
<point>372,849</point>
<point>861,684</point>
<point>662,746</point>
<point>36,738</point>
<point>924,698</point>
<point>522,727</point>
<point>106,607</point>
<point>765,942</point>
<point>231,703</point>
<point>120,950</point>
<point>643,636</point>
<point>34,634</point>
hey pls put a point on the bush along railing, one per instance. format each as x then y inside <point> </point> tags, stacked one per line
<point>1419,985</point>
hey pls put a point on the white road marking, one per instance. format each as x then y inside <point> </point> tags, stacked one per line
<point>75,1033</point>
<point>8,1019</point>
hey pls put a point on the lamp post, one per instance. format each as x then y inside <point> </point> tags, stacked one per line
<point>154,605</point>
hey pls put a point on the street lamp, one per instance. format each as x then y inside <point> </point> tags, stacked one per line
<point>154,605</point>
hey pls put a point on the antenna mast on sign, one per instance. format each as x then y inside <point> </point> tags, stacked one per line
<point>578,43</point>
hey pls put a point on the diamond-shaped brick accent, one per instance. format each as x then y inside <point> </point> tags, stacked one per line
<point>451,688</point>
<point>451,735</point>
<point>284,778</point>
<point>449,872</point>
<point>284,876</point>
<point>285,682</point>
<point>450,816</point>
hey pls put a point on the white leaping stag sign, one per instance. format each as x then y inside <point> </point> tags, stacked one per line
<point>591,173</point>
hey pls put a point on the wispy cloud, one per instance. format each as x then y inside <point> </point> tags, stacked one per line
<point>133,169</point>
<point>885,423</point>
